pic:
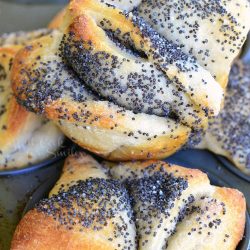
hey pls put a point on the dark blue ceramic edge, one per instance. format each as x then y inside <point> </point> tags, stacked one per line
<point>30,168</point>
<point>233,168</point>
<point>41,192</point>
<point>245,55</point>
<point>66,149</point>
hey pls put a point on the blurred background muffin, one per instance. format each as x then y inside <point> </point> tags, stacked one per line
<point>229,133</point>
<point>25,138</point>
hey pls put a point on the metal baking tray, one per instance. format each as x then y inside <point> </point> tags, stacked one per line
<point>17,185</point>
<point>15,189</point>
<point>229,165</point>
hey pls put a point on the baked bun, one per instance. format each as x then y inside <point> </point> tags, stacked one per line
<point>114,85</point>
<point>212,31</point>
<point>229,133</point>
<point>126,5</point>
<point>21,37</point>
<point>25,138</point>
<point>133,205</point>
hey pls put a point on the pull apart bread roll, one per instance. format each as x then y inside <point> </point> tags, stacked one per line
<point>148,205</point>
<point>25,138</point>
<point>114,85</point>
<point>229,133</point>
<point>212,31</point>
<point>126,5</point>
<point>21,37</point>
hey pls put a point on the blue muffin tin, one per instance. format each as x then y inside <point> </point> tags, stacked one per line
<point>18,185</point>
<point>15,189</point>
<point>233,168</point>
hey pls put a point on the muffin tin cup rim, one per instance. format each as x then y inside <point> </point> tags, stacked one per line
<point>230,166</point>
<point>66,149</point>
<point>28,169</point>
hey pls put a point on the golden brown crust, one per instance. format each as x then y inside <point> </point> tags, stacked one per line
<point>21,61</point>
<point>79,166</point>
<point>16,115</point>
<point>237,207</point>
<point>159,148</point>
<point>179,106</point>
<point>15,118</point>
<point>29,235</point>
<point>126,5</point>
<point>113,138</point>
<point>111,129</point>
<point>84,26</point>
<point>21,132</point>
<point>227,230</point>
<point>42,232</point>
<point>156,148</point>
